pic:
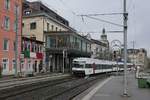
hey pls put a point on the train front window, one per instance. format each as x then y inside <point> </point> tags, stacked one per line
<point>78,66</point>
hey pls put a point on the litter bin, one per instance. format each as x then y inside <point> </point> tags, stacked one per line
<point>142,83</point>
<point>148,82</point>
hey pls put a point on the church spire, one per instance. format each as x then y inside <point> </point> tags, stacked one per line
<point>103,31</point>
<point>104,36</point>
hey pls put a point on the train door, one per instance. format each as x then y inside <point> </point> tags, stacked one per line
<point>94,68</point>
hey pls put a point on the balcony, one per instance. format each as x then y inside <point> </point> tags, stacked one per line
<point>74,44</point>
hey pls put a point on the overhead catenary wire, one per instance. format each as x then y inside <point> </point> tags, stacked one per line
<point>101,32</point>
<point>102,20</point>
<point>104,14</point>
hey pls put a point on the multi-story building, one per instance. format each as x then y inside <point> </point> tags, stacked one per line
<point>63,47</point>
<point>10,24</point>
<point>33,56</point>
<point>138,57</point>
<point>42,22</point>
<point>38,18</point>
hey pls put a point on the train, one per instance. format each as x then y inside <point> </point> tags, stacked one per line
<point>90,66</point>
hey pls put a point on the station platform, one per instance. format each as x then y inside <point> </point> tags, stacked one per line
<point>112,89</point>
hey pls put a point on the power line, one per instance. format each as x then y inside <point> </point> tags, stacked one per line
<point>101,14</point>
<point>68,7</point>
<point>102,20</point>
<point>101,32</point>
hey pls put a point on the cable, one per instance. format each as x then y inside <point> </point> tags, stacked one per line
<point>101,14</point>
<point>68,7</point>
<point>101,20</point>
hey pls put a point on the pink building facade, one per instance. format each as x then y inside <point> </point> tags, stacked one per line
<point>10,14</point>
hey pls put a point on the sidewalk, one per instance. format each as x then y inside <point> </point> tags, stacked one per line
<point>112,89</point>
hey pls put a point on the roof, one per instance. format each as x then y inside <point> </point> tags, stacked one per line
<point>66,32</point>
<point>96,61</point>
<point>99,42</point>
<point>38,7</point>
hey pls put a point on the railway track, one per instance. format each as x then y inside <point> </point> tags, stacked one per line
<point>51,90</point>
<point>24,81</point>
<point>25,78</point>
<point>10,93</point>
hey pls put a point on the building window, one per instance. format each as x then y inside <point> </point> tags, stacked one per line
<point>7,23</point>
<point>33,25</point>
<point>52,27</point>
<point>28,46</point>
<point>5,44</point>
<point>22,24</point>
<point>5,64</point>
<point>13,64</point>
<point>14,45</point>
<point>47,26</point>
<point>56,28</point>
<point>29,64</point>
<point>27,12</point>
<point>7,4</point>
<point>25,45</point>
<point>16,10</point>
<point>33,47</point>
<point>15,26</point>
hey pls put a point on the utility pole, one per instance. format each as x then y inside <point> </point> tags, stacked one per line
<point>16,41</point>
<point>133,52</point>
<point>125,16</point>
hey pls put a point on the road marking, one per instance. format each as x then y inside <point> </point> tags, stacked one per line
<point>90,94</point>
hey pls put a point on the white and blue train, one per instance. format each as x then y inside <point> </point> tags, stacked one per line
<point>89,66</point>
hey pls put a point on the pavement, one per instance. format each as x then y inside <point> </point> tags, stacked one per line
<point>112,89</point>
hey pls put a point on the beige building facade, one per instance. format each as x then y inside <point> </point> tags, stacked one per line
<point>36,25</point>
<point>138,57</point>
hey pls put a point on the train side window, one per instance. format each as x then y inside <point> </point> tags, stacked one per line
<point>88,66</point>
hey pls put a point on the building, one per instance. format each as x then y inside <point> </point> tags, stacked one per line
<point>103,38</point>
<point>98,49</point>
<point>138,57</point>
<point>43,23</point>
<point>10,24</point>
<point>38,18</point>
<point>106,52</point>
<point>33,56</point>
<point>63,47</point>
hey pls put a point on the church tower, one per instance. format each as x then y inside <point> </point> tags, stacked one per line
<point>104,36</point>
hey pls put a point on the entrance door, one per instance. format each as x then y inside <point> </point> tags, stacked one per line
<point>35,66</point>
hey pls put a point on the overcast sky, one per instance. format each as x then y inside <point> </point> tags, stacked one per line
<point>138,22</point>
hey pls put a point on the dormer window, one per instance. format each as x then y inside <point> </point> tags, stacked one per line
<point>27,12</point>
